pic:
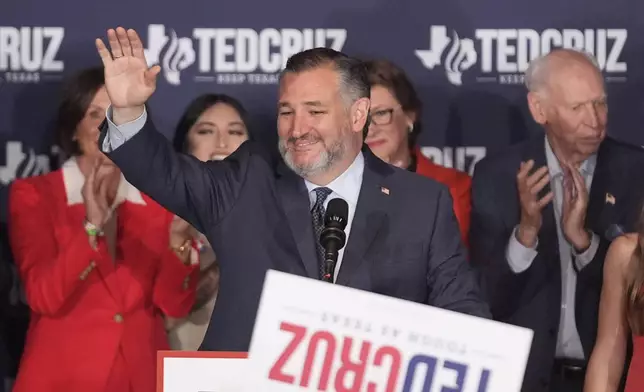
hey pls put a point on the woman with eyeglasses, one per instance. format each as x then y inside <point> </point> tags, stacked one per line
<point>395,124</point>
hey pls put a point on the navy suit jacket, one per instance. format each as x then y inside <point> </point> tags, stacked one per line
<point>532,299</point>
<point>404,243</point>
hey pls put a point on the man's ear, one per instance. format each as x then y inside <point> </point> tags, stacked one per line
<point>360,114</point>
<point>537,107</point>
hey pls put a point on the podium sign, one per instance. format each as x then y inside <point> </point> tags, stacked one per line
<point>312,335</point>
<point>201,371</point>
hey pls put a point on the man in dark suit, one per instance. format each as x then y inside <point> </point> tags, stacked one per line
<point>540,231</point>
<point>258,215</point>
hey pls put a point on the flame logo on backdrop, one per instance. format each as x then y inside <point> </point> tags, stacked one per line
<point>460,56</point>
<point>172,53</point>
<point>20,165</point>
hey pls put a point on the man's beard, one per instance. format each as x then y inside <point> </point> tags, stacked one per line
<point>325,160</point>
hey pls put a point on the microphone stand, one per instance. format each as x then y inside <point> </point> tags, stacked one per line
<point>333,237</point>
<point>330,259</point>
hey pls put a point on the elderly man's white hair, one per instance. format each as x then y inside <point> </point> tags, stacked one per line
<point>536,76</point>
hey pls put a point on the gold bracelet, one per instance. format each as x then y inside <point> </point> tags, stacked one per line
<point>185,246</point>
<point>181,253</point>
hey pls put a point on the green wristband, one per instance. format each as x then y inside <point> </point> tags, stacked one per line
<point>91,229</point>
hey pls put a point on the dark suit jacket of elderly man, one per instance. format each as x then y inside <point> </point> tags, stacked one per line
<point>533,298</point>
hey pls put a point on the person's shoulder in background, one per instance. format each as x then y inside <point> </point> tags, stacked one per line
<point>453,178</point>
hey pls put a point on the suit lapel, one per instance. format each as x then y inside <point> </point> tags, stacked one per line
<point>370,216</point>
<point>599,189</point>
<point>297,206</point>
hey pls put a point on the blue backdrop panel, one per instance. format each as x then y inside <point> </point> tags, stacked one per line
<point>465,56</point>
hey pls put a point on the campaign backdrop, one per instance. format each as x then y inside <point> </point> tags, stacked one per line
<point>466,57</point>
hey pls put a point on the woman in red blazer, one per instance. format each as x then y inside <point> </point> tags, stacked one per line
<point>395,124</point>
<point>100,263</point>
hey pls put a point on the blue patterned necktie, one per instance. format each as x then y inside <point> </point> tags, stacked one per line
<point>318,223</point>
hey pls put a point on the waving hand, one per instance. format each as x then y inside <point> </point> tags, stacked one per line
<point>128,80</point>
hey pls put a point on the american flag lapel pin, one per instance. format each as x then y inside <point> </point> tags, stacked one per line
<point>384,190</point>
<point>610,199</point>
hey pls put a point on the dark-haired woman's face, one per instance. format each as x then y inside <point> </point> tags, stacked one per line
<point>218,132</point>
<point>389,129</point>
<point>87,131</point>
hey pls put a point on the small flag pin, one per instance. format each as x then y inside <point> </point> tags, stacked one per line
<point>384,190</point>
<point>610,199</point>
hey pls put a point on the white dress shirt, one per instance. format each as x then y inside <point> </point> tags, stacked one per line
<point>117,135</point>
<point>346,186</point>
<point>520,258</point>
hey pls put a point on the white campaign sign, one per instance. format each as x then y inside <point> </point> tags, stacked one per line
<point>315,336</point>
<point>200,371</point>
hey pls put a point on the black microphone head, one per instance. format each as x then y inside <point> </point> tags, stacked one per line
<point>337,213</point>
<point>335,220</point>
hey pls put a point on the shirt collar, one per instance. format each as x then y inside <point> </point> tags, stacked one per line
<point>554,168</point>
<point>347,185</point>
<point>74,179</point>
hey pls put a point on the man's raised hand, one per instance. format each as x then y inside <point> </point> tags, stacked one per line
<point>128,79</point>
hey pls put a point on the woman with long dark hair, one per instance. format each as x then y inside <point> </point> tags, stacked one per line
<point>212,127</point>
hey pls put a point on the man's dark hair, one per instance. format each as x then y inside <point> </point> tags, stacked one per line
<point>353,79</point>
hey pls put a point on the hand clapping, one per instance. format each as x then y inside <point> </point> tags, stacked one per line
<point>574,207</point>
<point>180,232</point>
<point>102,179</point>
<point>529,186</point>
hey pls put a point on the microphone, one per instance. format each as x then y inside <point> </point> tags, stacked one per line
<point>333,236</point>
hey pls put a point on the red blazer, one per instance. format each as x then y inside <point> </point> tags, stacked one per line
<point>459,184</point>
<point>85,306</point>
